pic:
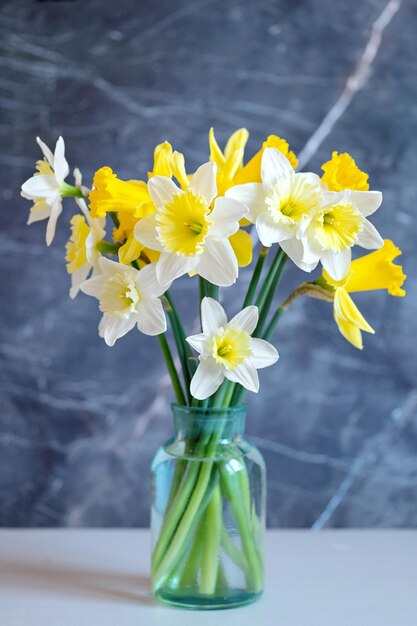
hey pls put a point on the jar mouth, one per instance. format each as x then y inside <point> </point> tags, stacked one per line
<point>200,411</point>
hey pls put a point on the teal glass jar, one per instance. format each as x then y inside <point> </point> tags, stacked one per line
<point>208,512</point>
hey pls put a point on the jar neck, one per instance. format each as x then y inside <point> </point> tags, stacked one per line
<point>193,422</point>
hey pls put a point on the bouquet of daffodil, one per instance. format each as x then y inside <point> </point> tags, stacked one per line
<point>203,227</point>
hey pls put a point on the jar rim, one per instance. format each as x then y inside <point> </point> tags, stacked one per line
<point>209,411</point>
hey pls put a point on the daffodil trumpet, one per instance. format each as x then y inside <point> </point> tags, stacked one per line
<point>132,239</point>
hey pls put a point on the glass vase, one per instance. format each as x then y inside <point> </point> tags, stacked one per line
<point>208,512</point>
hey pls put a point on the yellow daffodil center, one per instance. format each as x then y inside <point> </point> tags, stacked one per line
<point>292,204</point>
<point>183,223</point>
<point>231,346</point>
<point>112,194</point>
<point>337,227</point>
<point>76,247</point>
<point>120,295</point>
<point>341,172</point>
<point>43,167</point>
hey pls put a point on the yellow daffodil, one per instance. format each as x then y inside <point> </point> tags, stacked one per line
<point>341,172</point>
<point>131,201</point>
<point>229,162</point>
<point>372,271</point>
<point>111,194</point>
<point>169,163</point>
<point>251,172</point>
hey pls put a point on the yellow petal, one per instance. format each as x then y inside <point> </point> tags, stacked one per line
<point>216,155</point>
<point>377,271</point>
<point>251,172</point>
<point>130,251</point>
<point>341,172</point>
<point>241,243</point>
<point>350,332</point>
<point>112,194</point>
<point>236,142</point>
<point>349,319</point>
<point>234,151</point>
<point>178,169</point>
<point>162,160</point>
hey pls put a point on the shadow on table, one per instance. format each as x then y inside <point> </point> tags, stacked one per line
<point>73,580</point>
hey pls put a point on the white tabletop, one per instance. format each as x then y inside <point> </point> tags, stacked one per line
<point>100,577</point>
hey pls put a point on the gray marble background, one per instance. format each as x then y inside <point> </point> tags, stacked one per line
<point>79,421</point>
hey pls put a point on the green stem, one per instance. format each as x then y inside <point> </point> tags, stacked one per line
<point>202,492</point>
<point>232,550</point>
<point>172,370</point>
<point>210,559</point>
<point>193,562</point>
<point>222,396</point>
<point>255,276</point>
<point>115,219</point>
<point>69,191</point>
<point>183,349</point>
<point>269,278</point>
<point>107,247</point>
<point>237,501</point>
<point>273,323</point>
<point>269,295</point>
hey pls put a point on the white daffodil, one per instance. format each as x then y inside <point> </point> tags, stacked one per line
<point>82,255</point>
<point>190,236</point>
<point>47,187</point>
<point>337,226</point>
<point>227,350</point>
<point>128,298</point>
<point>282,206</point>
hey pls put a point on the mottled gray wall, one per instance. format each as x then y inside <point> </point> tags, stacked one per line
<point>79,421</point>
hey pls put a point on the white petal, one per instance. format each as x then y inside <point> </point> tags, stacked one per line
<point>112,328</point>
<point>172,266</point>
<point>312,251</point>
<point>204,181</point>
<point>45,151</point>
<point>225,218</point>
<point>147,282</point>
<point>337,264</point>
<point>77,279</point>
<point>207,379</point>
<point>145,232</point>
<point>151,317</point>
<point>162,189</point>
<point>218,263</point>
<point>212,315</point>
<point>78,177</point>
<point>369,237</point>
<point>41,186</point>
<point>61,168</point>
<point>275,166</point>
<point>251,195</point>
<point>366,201</point>
<point>263,353</point>
<point>198,342</point>
<point>246,319</point>
<point>109,267</point>
<point>295,250</point>
<point>245,374</point>
<point>36,215</point>
<point>56,211</point>
<point>93,287</point>
<point>269,232</point>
